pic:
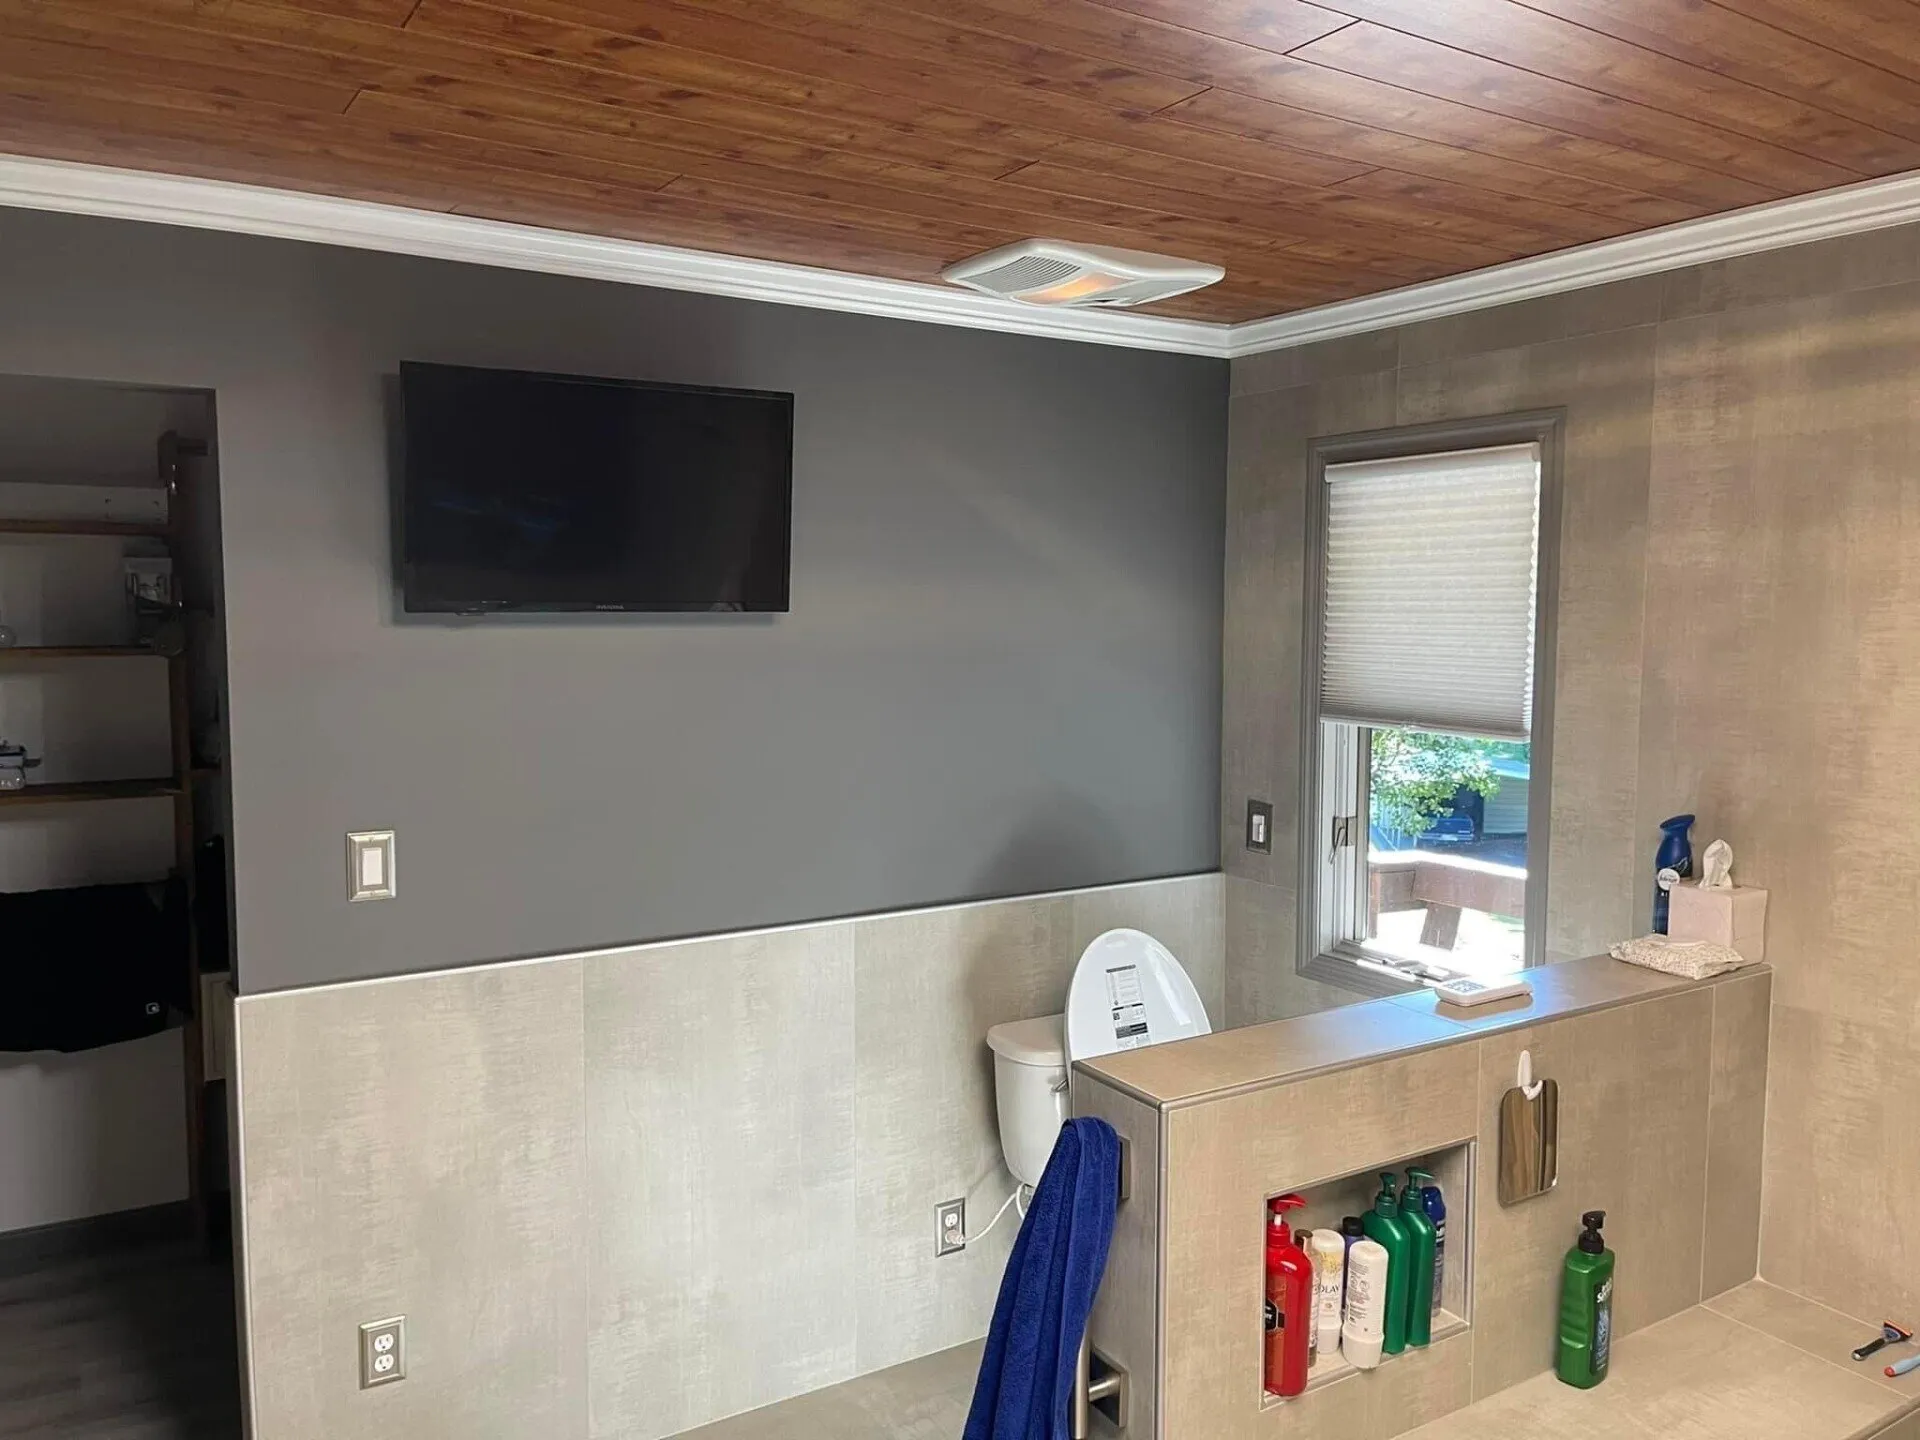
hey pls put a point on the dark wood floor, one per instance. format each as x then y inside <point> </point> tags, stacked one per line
<point>129,1342</point>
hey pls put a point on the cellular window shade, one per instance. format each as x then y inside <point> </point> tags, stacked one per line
<point>1429,574</point>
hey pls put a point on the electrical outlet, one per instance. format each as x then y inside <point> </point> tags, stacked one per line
<point>383,1352</point>
<point>950,1227</point>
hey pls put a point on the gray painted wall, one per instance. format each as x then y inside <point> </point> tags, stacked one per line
<point>1001,673</point>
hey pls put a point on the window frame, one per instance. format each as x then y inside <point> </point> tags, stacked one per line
<point>1343,964</point>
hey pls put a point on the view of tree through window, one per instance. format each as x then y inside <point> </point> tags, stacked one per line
<point>1447,849</point>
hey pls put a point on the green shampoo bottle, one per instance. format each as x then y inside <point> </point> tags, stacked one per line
<point>1421,1237</point>
<point>1586,1307</point>
<point>1384,1223</point>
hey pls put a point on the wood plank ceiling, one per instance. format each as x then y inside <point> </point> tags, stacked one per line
<point>1317,150</point>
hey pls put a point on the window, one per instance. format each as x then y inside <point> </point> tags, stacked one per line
<point>1426,767</point>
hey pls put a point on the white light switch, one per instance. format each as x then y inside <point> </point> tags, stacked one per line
<point>370,865</point>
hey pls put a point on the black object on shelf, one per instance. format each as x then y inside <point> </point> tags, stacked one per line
<point>91,966</point>
<point>215,948</point>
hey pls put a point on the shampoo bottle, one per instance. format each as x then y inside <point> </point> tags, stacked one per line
<point>1366,1315</point>
<point>1328,1250</point>
<point>1421,1244</point>
<point>1434,1205</point>
<point>1289,1303</point>
<point>1352,1230</point>
<point>1586,1307</point>
<point>1303,1242</point>
<point>1385,1227</point>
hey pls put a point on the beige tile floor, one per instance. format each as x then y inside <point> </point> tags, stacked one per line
<point>1756,1361</point>
<point>924,1399</point>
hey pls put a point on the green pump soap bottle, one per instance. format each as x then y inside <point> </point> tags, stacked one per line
<point>1385,1224</point>
<point>1421,1237</point>
<point>1586,1307</point>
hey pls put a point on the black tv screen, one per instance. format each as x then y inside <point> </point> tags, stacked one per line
<point>559,492</point>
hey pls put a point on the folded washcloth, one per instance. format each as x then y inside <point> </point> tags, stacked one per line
<point>1033,1346</point>
<point>1689,959</point>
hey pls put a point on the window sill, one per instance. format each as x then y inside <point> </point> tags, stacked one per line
<point>1366,976</point>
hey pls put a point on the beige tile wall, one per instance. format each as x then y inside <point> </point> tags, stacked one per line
<point>629,1193</point>
<point>1223,1159</point>
<point>1737,617</point>
<point>720,1081</point>
<point>1633,1142</point>
<point>417,1147</point>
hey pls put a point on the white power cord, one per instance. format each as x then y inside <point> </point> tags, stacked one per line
<point>1018,1192</point>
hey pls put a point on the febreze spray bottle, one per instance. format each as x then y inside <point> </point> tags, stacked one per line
<point>1672,863</point>
<point>1290,1317</point>
<point>1385,1226</point>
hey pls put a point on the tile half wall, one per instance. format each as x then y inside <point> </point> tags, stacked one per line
<point>627,1193</point>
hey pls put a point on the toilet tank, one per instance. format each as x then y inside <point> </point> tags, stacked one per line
<point>1029,1091</point>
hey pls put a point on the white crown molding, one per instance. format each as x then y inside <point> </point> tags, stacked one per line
<point>1869,205</point>
<point>290,215</point>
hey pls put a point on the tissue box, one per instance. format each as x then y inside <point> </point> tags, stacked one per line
<point>1736,918</point>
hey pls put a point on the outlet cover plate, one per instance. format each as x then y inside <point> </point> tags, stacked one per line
<point>383,1351</point>
<point>950,1227</point>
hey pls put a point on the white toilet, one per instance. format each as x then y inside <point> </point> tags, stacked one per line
<point>1128,991</point>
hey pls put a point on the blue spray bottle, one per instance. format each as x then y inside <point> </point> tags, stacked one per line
<point>1672,863</point>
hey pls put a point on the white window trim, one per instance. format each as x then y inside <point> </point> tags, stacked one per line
<point>1346,965</point>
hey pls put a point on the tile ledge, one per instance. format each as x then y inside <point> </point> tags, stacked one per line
<point>1339,1036</point>
<point>1808,1314</point>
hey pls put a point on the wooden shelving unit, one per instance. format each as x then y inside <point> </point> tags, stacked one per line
<point>177,787</point>
<point>126,529</point>
<point>71,792</point>
<point>17,654</point>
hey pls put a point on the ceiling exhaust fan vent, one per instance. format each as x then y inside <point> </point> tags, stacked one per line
<point>1053,272</point>
<point>1029,272</point>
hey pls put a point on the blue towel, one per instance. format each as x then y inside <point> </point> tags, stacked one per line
<point>1027,1374</point>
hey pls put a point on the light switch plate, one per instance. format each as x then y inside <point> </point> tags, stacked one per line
<point>383,1351</point>
<point>370,865</point>
<point>1260,827</point>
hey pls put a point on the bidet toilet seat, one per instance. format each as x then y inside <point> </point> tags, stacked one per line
<point>1129,991</point>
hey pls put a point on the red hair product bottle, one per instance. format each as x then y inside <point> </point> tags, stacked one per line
<point>1289,1303</point>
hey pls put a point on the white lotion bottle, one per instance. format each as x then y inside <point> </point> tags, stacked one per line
<point>1366,1322</point>
<point>1329,1251</point>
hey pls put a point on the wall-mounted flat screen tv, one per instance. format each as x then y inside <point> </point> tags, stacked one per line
<point>527,492</point>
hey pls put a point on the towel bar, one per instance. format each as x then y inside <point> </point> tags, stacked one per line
<point>1106,1391</point>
